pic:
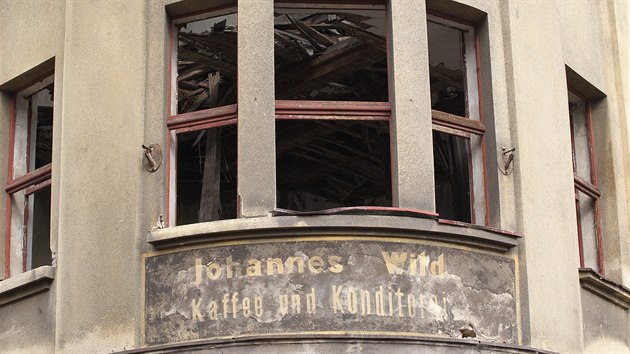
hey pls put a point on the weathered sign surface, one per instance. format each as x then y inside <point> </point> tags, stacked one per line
<point>329,285</point>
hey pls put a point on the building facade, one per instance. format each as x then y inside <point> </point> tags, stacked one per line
<point>324,176</point>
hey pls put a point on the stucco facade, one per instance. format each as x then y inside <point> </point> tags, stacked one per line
<point>119,261</point>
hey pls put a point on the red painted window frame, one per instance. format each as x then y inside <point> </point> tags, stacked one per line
<point>465,127</point>
<point>191,121</point>
<point>341,110</point>
<point>590,189</point>
<point>30,182</point>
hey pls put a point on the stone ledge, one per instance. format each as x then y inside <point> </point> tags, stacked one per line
<point>355,225</point>
<point>605,288</point>
<point>26,284</point>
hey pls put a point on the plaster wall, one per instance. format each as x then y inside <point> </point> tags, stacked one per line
<point>28,325</point>
<point>606,326</point>
<point>100,176</point>
<point>543,175</point>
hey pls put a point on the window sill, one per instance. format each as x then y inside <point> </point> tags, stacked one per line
<point>605,288</point>
<point>26,284</point>
<point>346,224</point>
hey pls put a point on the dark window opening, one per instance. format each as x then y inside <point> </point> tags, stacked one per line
<point>451,156</point>
<point>205,83</point>
<point>447,69</point>
<point>43,112</point>
<point>206,63</point>
<point>39,228</point>
<point>330,54</point>
<point>457,129</point>
<point>325,164</point>
<point>206,175</point>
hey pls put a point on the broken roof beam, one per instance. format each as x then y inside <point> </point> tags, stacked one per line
<point>301,79</point>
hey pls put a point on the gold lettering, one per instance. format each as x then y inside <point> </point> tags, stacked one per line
<point>365,303</point>
<point>258,306</point>
<point>228,268</point>
<point>337,299</point>
<point>316,264</point>
<point>311,305</point>
<point>214,271</point>
<point>225,301</point>
<point>413,264</point>
<point>198,270</point>
<point>423,264</point>
<point>380,306</point>
<point>291,261</point>
<point>212,310</point>
<point>246,311</point>
<point>352,301</point>
<point>284,304</point>
<point>254,268</point>
<point>234,301</point>
<point>395,262</point>
<point>196,312</point>
<point>411,305</point>
<point>437,267</point>
<point>399,296</point>
<point>295,304</point>
<point>335,266</point>
<point>391,303</point>
<point>278,263</point>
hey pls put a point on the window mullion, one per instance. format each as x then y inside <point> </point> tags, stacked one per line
<point>412,152</point>
<point>256,116</point>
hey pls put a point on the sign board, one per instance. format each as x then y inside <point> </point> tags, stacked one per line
<point>329,285</point>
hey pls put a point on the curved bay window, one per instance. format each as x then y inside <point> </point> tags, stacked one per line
<point>203,116</point>
<point>332,109</point>
<point>458,130</point>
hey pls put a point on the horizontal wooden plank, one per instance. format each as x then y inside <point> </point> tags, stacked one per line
<point>34,177</point>
<point>457,122</point>
<point>204,117</point>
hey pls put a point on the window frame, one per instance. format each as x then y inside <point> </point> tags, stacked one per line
<point>340,110</point>
<point>590,189</point>
<point>472,125</point>
<point>191,121</point>
<point>31,180</point>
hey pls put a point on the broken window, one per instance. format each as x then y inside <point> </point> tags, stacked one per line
<point>203,118</point>
<point>29,177</point>
<point>458,131</point>
<point>587,193</point>
<point>332,128</point>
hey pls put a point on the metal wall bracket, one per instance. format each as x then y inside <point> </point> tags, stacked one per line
<point>152,157</point>
<point>506,160</point>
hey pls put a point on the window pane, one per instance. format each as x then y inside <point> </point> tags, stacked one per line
<point>330,54</point>
<point>329,164</point>
<point>42,126</point>
<point>451,156</point>
<point>206,175</point>
<point>447,69</point>
<point>578,111</point>
<point>589,230</point>
<point>39,229</point>
<point>206,63</point>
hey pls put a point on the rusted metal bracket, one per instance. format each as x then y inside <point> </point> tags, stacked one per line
<point>152,157</point>
<point>506,163</point>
